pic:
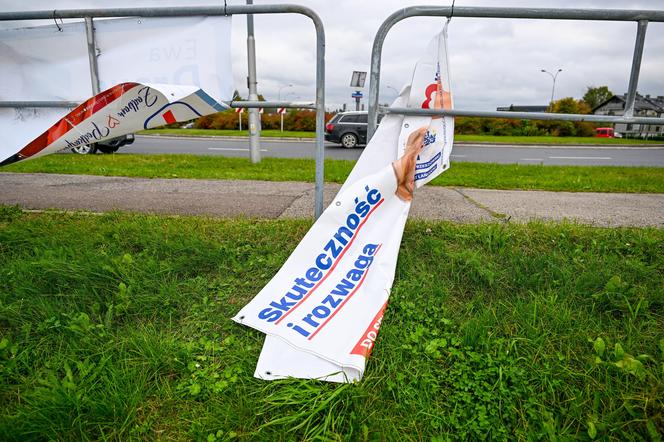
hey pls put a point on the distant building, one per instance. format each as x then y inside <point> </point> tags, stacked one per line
<point>521,108</point>
<point>643,107</point>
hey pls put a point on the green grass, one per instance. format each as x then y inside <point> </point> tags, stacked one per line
<point>489,176</point>
<point>117,327</point>
<point>228,133</point>
<point>461,138</point>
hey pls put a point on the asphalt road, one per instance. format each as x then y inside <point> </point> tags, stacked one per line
<point>575,155</point>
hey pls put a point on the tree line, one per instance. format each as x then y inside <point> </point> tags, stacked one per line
<point>305,120</point>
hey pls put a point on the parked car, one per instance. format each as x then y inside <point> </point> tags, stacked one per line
<point>348,129</point>
<point>108,146</point>
<point>604,132</point>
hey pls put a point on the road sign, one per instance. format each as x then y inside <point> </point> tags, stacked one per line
<point>239,110</point>
<point>260,110</point>
<point>281,110</point>
<point>357,79</point>
<point>357,94</point>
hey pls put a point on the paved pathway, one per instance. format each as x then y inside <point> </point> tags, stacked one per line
<point>295,200</point>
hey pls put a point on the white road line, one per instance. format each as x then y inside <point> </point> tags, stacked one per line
<point>459,156</point>
<point>531,159</point>
<point>233,149</point>
<point>580,158</point>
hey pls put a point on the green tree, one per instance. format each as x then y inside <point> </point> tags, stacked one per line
<point>569,106</point>
<point>596,95</point>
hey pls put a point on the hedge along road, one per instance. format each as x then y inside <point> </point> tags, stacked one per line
<point>549,155</point>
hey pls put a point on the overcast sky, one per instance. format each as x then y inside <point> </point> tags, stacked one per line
<point>493,62</point>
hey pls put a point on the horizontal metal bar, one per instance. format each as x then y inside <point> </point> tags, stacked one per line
<point>29,104</point>
<point>272,104</point>
<point>156,12</point>
<point>441,11</point>
<point>529,13</point>
<point>523,115</point>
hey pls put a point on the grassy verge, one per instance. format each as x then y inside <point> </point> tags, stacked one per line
<point>228,133</point>
<point>462,138</point>
<point>117,327</point>
<point>489,176</point>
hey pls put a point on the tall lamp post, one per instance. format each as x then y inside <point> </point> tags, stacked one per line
<point>553,77</point>
<point>396,92</point>
<point>279,99</point>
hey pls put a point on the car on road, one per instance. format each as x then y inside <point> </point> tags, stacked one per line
<point>107,146</point>
<point>348,129</point>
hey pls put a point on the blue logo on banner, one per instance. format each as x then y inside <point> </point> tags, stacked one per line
<point>428,163</point>
<point>421,176</point>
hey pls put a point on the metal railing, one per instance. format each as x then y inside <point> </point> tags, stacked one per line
<point>90,14</point>
<point>642,17</point>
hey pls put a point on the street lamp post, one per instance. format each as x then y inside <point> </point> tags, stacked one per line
<point>279,99</point>
<point>553,77</point>
<point>394,89</point>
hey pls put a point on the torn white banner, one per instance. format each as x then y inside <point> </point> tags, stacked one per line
<point>122,109</point>
<point>321,312</point>
<point>50,63</point>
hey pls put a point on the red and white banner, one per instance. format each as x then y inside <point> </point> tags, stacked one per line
<point>122,109</point>
<point>322,311</point>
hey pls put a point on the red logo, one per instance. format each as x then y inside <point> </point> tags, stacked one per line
<point>112,122</point>
<point>429,94</point>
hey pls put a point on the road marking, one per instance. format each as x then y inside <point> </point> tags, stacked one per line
<point>459,156</point>
<point>531,159</point>
<point>233,149</point>
<point>580,158</point>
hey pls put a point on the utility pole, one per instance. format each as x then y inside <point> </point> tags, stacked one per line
<point>254,116</point>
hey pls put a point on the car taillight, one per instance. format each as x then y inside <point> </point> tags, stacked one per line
<point>329,127</point>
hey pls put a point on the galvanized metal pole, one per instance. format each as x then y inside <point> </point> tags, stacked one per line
<point>636,67</point>
<point>320,115</point>
<point>254,116</point>
<point>92,54</point>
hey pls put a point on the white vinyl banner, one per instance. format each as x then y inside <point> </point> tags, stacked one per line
<point>321,312</point>
<point>50,63</point>
<point>122,109</point>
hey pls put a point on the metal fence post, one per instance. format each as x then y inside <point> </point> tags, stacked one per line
<point>636,67</point>
<point>254,116</point>
<point>92,54</point>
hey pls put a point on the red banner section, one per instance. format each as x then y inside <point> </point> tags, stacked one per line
<point>366,342</point>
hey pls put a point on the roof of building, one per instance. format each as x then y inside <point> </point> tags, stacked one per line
<point>641,103</point>
<point>523,108</point>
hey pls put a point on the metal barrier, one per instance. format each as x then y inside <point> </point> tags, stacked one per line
<point>642,17</point>
<point>89,14</point>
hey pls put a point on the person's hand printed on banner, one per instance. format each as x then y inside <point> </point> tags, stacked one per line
<point>404,167</point>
